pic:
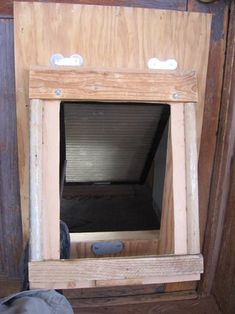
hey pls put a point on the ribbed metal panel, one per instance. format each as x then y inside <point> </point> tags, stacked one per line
<point>108,142</point>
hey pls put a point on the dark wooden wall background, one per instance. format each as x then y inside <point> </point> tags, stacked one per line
<point>216,158</point>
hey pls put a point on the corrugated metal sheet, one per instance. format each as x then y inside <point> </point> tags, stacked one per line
<point>108,142</point>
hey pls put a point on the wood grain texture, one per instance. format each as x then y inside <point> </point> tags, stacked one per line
<point>162,268</point>
<point>103,292</point>
<point>223,278</point>
<point>135,242</point>
<point>83,303</point>
<point>88,284</point>
<point>222,181</point>
<point>170,306</point>
<point>50,180</point>
<point>35,180</point>
<point>191,165</point>
<point>112,85</point>
<point>179,178</point>
<point>213,92</point>
<point>166,237</point>
<point>126,40</point>
<point>6,6</point>
<point>10,214</point>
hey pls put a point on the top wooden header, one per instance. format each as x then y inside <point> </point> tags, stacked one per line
<point>112,85</point>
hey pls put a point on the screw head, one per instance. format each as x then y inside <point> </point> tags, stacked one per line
<point>58,92</point>
<point>176,96</point>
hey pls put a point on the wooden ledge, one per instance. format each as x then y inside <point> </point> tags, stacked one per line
<point>112,85</point>
<point>83,272</point>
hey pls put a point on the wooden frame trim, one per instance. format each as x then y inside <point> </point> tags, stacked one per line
<point>109,85</point>
<point>159,268</point>
<point>179,267</point>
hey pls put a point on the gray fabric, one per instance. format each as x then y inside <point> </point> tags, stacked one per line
<point>35,302</point>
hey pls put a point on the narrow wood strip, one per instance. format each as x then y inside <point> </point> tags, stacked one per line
<point>50,180</point>
<point>114,235</point>
<point>106,85</point>
<point>147,280</point>
<point>191,179</point>
<point>78,284</point>
<point>166,237</point>
<point>179,179</point>
<point>115,268</point>
<point>35,181</point>
<point>83,303</point>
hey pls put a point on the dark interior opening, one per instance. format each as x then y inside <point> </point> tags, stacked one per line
<point>112,165</point>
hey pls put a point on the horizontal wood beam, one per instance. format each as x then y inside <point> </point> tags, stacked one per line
<point>110,85</point>
<point>163,268</point>
<point>114,235</point>
<point>78,284</point>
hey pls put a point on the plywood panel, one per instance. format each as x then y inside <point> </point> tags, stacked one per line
<point>135,242</point>
<point>106,37</point>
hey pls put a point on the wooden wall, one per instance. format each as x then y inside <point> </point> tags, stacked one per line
<point>214,212</point>
<point>222,276</point>
<point>10,219</point>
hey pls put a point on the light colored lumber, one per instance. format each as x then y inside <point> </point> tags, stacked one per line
<point>166,237</point>
<point>50,180</point>
<point>192,179</point>
<point>115,268</point>
<point>114,235</point>
<point>179,179</point>
<point>108,37</point>
<point>147,280</point>
<point>35,163</point>
<point>76,284</point>
<point>112,85</point>
<point>134,242</point>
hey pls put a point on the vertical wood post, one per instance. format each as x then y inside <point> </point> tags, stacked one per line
<point>51,180</point>
<point>191,179</point>
<point>179,178</point>
<point>35,181</point>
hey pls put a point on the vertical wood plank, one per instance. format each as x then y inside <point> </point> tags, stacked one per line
<point>10,213</point>
<point>179,178</point>
<point>35,180</point>
<point>219,239</point>
<point>166,239</point>
<point>191,179</point>
<point>50,180</point>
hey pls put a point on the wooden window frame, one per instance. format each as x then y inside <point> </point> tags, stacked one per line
<point>47,88</point>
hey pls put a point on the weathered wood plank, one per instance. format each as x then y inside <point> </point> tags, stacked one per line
<point>10,217</point>
<point>131,300</point>
<point>116,85</point>
<point>203,305</point>
<point>160,267</point>
<point>221,206</point>
<point>219,10</point>
<point>78,284</point>
<point>191,162</point>
<point>35,181</point>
